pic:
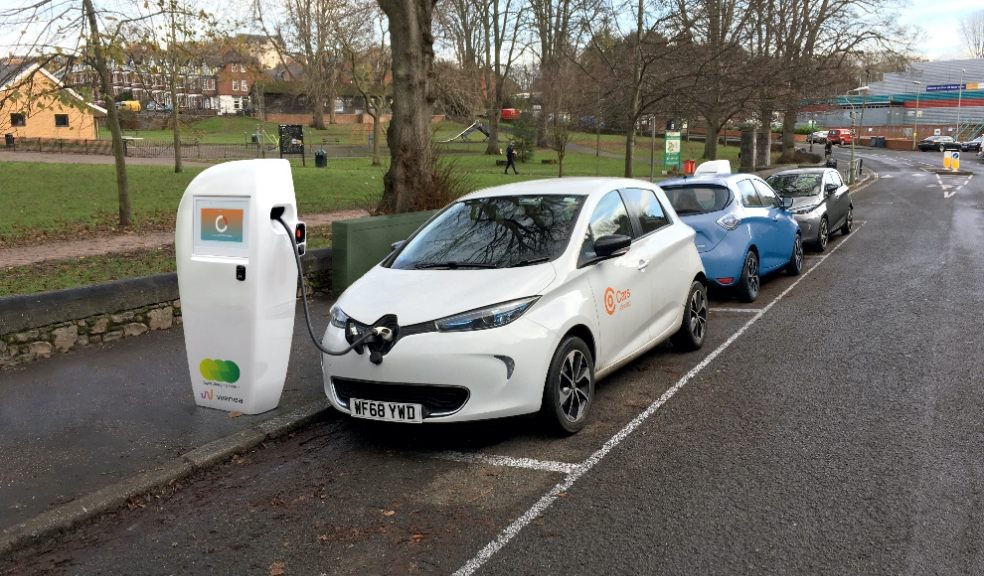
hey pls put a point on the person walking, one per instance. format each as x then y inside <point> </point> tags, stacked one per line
<point>511,159</point>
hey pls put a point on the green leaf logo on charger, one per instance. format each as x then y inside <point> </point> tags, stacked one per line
<point>219,370</point>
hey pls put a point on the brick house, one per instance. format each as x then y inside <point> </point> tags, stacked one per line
<point>36,104</point>
<point>235,81</point>
<point>146,81</point>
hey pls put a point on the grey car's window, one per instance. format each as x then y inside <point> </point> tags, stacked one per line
<point>766,194</point>
<point>697,198</point>
<point>796,185</point>
<point>835,178</point>
<point>493,232</point>
<point>646,207</point>
<point>609,217</point>
<point>748,195</point>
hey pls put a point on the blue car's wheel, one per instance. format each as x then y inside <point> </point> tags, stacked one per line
<point>795,265</point>
<point>748,284</point>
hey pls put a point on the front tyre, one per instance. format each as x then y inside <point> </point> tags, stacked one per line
<point>823,235</point>
<point>795,265</point>
<point>693,330</point>
<point>569,390</point>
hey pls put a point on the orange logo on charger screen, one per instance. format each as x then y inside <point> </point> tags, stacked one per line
<point>616,299</point>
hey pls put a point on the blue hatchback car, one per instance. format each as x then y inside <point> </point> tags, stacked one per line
<point>744,230</point>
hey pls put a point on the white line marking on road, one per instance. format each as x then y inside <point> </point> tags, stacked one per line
<point>740,310</point>
<point>511,531</point>
<point>494,460</point>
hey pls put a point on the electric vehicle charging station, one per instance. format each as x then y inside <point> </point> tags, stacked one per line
<point>237,280</point>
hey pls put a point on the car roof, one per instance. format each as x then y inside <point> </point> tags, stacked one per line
<point>578,186</point>
<point>719,179</point>
<point>808,170</point>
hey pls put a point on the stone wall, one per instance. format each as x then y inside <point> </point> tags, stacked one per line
<point>42,342</point>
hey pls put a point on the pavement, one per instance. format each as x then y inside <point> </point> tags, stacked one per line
<point>119,422</point>
<point>84,432</point>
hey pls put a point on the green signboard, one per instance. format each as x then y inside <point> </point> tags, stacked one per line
<point>671,153</point>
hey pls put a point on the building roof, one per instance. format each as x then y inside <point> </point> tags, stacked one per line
<point>12,74</point>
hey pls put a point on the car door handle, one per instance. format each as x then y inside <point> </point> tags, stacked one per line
<point>643,264</point>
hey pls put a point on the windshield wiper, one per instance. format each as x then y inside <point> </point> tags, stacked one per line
<point>531,261</point>
<point>451,265</point>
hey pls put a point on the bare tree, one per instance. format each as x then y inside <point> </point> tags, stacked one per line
<point>972,30</point>
<point>411,172</point>
<point>369,62</point>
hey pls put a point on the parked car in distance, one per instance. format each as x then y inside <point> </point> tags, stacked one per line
<point>972,145</point>
<point>516,299</point>
<point>744,229</point>
<point>819,137</point>
<point>940,143</point>
<point>509,114</point>
<point>821,202</point>
<point>839,136</point>
<point>131,105</point>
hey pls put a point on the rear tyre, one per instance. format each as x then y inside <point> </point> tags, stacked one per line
<point>569,390</point>
<point>823,235</point>
<point>848,222</point>
<point>795,265</point>
<point>749,282</point>
<point>693,330</point>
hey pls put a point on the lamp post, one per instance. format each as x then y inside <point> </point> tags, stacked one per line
<point>959,98</point>
<point>915,116</point>
<point>864,89</point>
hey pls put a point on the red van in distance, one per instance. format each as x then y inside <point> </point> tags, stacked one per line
<point>839,136</point>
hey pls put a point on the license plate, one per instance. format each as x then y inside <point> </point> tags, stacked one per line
<point>388,411</point>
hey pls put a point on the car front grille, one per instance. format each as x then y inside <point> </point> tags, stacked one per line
<point>435,400</point>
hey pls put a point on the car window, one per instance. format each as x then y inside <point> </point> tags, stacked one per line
<point>646,207</point>
<point>748,195</point>
<point>609,217</point>
<point>493,232</point>
<point>697,198</point>
<point>766,194</point>
<point>835,178</point>
<point>796,185</point>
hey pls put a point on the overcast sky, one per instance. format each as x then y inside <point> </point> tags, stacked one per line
<point>939,22</point>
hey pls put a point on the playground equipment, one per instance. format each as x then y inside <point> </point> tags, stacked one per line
<point>463,135</point>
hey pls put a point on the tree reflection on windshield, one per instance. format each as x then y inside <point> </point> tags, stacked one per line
<point>500,232</point>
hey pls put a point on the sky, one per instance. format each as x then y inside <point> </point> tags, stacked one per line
<point>939,24</point>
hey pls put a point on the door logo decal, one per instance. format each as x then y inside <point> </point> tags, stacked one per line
<point>616,300</point>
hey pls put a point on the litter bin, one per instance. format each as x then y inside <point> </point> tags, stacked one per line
<point>8,140</point>
<point>689,166</point>
<point>877,141</point>
<point>320,159</point>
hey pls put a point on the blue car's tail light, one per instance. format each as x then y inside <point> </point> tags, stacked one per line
<point>729,221</point>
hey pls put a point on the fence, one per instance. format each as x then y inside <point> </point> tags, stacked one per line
<point>190,150</point>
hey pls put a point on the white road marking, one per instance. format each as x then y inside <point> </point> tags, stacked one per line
<point>511,531</point>
<point>739,310</point>
<point>509,461</point>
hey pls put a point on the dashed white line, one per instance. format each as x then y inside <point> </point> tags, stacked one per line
<point>511,531</point>
<point>508,461</point>
<point>738,310</point>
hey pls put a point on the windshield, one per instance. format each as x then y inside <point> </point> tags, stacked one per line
<point>795,184</point>
<point>495,232</point>
<point>697,198</point>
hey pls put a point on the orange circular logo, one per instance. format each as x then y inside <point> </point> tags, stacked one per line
<point>610,300</point>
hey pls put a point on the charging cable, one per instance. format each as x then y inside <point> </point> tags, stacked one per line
<point>381,331</point>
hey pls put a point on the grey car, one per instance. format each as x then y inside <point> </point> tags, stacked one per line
<point>821,202</point>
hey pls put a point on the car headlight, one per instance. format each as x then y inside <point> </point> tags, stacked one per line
<point>484,318</point>
<point>806,209</point>
<point>339,319</point>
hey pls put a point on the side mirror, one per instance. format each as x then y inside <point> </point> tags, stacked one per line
<point>787,202</point>
<point>397,245</point>
<point>830,189</point>
<point>611,245</point>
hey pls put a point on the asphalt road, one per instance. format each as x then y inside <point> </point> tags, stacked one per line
<point>832,427</point>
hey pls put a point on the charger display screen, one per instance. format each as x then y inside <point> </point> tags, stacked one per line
<point>221,226</point>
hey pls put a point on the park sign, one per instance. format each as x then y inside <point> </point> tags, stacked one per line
<point>671,151</point>
<point>291,140</point>
<point>952,87</point>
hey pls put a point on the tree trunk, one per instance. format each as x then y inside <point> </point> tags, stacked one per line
<point>711,138</point>
<point>375,135</point>
<point>630,140</point>
<point>493,145</point>
<point>105,86</point>
<point>789,135</point>
<point>763,153</point>
<point>411,172</point>
<point>318,113</point>
<point>176,128</point>
<point>332,95</point>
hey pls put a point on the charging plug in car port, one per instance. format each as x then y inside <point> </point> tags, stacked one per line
<point>382,336</point>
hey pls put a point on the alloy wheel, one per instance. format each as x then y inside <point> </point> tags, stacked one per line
<point>575,385</point>
<point>823,235</point>
<point>697,315</point>
<point>752,271</point>
<point>798,252</point>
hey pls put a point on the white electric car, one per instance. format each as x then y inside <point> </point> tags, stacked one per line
<point>516,299</point>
